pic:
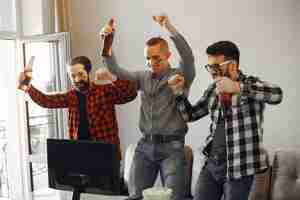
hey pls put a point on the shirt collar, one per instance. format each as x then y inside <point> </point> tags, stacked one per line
<point>162,74</point>
<point>241,76</point>
<point>90,90</point>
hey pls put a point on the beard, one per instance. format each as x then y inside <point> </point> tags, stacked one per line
<point>81,85</point>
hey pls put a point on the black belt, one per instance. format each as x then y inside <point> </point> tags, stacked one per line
<point>162,138</point>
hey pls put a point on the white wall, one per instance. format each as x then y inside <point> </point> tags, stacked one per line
<point>267,33</point>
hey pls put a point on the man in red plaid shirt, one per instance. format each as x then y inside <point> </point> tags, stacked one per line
<point>91,107</point>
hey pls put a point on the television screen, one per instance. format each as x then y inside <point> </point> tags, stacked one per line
<point>87,166</point>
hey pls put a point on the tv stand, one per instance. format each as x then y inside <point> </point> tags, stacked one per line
<point>76,194</point>
<point>80,181</point>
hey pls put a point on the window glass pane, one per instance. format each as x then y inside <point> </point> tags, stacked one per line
<point>7,16</point>
<point>41,120</point>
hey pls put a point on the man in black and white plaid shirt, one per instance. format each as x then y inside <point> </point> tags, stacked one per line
<point>236,104</point>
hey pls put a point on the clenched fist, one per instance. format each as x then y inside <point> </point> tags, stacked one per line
<point>108,28</point>
<point>176,83</point>
<point>26,76</point>
<point>161,19</point>
<point>226,85</point>
<point>103,74</point>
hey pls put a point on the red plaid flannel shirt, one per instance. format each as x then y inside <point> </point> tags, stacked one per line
<point>101,101</point>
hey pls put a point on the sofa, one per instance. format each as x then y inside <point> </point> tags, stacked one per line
<point>282,180</point>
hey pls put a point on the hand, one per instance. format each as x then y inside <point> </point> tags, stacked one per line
<point>26,76</point>
<point>103,74</point>
<point>108,28</point>
<point>226,85</point>
<point>162,20</point>
<point>24,80</point>
<point>176,83</point>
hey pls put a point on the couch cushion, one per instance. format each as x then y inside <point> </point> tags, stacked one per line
<point>286,175</point>
<point>262,182</point>
<point>261,186</point>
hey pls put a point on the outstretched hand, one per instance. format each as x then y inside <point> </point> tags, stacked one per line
<point>102,74</point>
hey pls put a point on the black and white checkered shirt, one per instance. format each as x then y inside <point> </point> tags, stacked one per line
<point>243,122</point>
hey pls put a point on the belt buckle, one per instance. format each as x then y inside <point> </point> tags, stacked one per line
<point>151,138</point>
<point>216,159</point>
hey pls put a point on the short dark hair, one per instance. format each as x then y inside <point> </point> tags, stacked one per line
<point>158,40</point>
<point>226,48</point>
<point>85,61</point>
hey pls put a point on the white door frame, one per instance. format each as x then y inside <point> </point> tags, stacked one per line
<point>63,40</point>
<point>18,154</point>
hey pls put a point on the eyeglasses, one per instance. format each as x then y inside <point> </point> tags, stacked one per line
<point>215,69</point>
<point>153,60</point>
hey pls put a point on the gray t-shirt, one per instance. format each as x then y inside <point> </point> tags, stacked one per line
<point>219,141</point>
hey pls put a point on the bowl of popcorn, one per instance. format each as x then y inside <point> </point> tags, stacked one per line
<point>157,193</point>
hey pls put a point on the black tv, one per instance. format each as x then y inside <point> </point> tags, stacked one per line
<point>83,167</point>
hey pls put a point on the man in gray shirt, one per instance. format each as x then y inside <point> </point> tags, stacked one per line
<point>161,149</point>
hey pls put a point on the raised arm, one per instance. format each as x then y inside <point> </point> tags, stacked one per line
<point>251,87</point>
<point>191,112</point>
<point>188,111</point>
<point>112,65</point>
<point>187,61</point>
<point>259,90</point>
<point>109,58</point>
<point>56,100</point>
<point>121,91</point>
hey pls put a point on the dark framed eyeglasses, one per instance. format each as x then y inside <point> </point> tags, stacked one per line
<point>216,68</point>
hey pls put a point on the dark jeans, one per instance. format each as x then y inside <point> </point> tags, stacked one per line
<point>149,159</point>
<point>212,183</point>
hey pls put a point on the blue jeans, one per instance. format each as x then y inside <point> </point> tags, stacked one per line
<point>149,159</point>
<point>212,183</point>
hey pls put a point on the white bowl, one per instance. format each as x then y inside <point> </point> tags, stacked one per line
<point>157,193</point>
